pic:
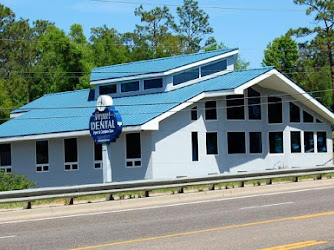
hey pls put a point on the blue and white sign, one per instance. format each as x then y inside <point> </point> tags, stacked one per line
<point>105,126</point>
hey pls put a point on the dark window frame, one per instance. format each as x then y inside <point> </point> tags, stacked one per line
<point>134,83</point>
<point>194,113</point>
<point>211,149</point>
<point>309,144</point>
<point>191,71</point>
<point>194,146</point>
<point>291,115</point>
<point>235,107</point>
<point>76,150</point>
<point>275,104</point>
<point>250,143</point>
<point>231,147</point>
<point>133,159</point>
<point>149,83</point>
<point>206,71</point>
<point>254,104</point>
<point>36,153</point>
<point>325,140</point>
<point>307,117</point>
<point>107,92</point>
<point>211,111</point>
<point>292,148</point>
<point>272,146</point>
<point>2,164</point>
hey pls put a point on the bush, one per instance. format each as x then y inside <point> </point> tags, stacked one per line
<point>9,181</point>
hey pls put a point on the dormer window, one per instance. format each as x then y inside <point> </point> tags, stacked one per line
<point>108,89</point>
<point>213,68</point>
<point>153,83</point>
<point>130,86</point>
<point>186,76</point>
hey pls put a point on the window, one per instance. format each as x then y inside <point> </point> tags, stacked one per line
<point>321,142</point>
<point>71,154</point>
<point>42,156</point>
<point>294,113</point>
<point>133,150</point>
<point>211,110</point>
<point>194,146</point>
<point>235,107</point>
<point>194,113</point>
<point>276,142</point>
<point>307,117</point>
<point>130,86</point>
<point>5,158</point>
<point>213,68</point>
<point>308,142</point>
<point>255,142</point>
<point>275,112</point>
<point>236,142</point>
<point>211,143</point>
<point>318,121</point>
<point>254,105</point>
<point>186,76</point>
<point>98,156</point>
<point>295,142</point>
<point>153,83</point>
<point>108,89</point>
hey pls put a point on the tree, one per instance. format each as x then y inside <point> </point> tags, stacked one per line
<point>157,30</point>
<point>281,53</point>
<point>240,63</point>
<point>9,181</point>
<point>193,26</point>
<point>5,102</point>
<point>321,47</point>
<point>107,47</point>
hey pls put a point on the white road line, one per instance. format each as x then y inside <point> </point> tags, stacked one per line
<point>163,206</point>
<point>8,236</point>
<point>268,205</point>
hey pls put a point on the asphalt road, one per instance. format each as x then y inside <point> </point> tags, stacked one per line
<point>300,219</point>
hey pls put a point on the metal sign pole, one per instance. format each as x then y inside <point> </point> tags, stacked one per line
<point>105,126</point>
<point>106,157</point>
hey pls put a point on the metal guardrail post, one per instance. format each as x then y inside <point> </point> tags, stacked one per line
<point>147,193</point>
<point>295,179</point>
<point>269,181</point>
<point>318,177</point>
<point>110,197</point>
<point>241,184</point>
<point>212,187</point>
<point>180,190</point>
<point>27,205</point>
<point>69,201</point>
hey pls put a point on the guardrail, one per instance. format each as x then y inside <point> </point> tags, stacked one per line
<point>69,193</point>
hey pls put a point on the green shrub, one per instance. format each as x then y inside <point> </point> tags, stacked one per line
<point>9,181</point>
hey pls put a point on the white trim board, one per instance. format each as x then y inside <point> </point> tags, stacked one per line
<point>60,135</point>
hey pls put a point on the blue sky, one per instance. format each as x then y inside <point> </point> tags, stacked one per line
<point>249,30</point>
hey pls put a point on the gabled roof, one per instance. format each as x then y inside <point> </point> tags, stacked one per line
<point>71,111</point>
<point>153,66</point>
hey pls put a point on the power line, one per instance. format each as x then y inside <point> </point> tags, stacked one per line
<point>203,7</point>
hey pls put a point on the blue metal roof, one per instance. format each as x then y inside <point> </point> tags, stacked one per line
<point>152,66</point>
<point>71,111</point>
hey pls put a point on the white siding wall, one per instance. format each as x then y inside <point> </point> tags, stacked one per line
<point>173,155</point>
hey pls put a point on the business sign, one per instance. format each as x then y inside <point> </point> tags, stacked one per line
<point>105,126</point>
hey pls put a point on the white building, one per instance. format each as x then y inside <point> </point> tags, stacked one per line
<point>188,115</point>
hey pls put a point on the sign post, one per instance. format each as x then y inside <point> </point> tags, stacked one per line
<point>105,126</point>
